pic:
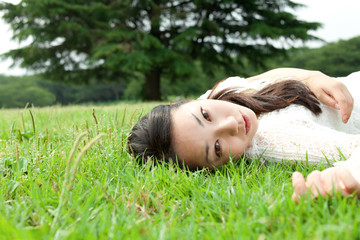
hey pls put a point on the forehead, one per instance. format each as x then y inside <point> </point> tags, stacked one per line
<point>188,135</point>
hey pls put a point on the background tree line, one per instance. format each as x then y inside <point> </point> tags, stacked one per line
<point>335,59</point>
<point>150,41</point>
<point>149,49</point>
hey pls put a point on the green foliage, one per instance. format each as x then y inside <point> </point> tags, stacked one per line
<point>336,59</point>
<point>194,85</point>
<point>105,195</point>
<point>134,89</point>
<point>16,92</point>
<point>123,40</point>
<point>19,91</point>
<point>84,93</point>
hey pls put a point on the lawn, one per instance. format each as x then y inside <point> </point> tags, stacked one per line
<point>66,174</point>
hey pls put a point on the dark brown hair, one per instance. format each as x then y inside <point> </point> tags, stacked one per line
<point>151,137</point>
<point>273,97</point>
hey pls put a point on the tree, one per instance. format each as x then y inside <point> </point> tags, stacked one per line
<point>336,59</point>
<point>123,40</point>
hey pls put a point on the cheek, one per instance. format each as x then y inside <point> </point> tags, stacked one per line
<point>237,148</point>
<point>221,162</point>
<point>186,152</point>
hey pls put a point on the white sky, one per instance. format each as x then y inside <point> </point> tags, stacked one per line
<point>340,19</point>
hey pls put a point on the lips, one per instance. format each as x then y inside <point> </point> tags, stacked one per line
<point>247,123</point>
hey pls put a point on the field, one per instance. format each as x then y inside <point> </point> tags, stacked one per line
<point>65,174</point>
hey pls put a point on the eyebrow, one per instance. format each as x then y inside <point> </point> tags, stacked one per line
<point>207,152</point>
<point>198,120</point>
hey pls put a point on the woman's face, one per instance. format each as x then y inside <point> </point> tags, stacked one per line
<point>207,132</point>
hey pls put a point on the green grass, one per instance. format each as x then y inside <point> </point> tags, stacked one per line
<point>103,194</point>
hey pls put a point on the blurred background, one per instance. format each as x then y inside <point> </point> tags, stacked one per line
<point>92,51</point>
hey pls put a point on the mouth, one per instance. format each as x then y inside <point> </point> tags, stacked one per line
<point>247,123</point>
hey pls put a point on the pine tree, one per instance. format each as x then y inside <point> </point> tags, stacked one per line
<point>123,40</point>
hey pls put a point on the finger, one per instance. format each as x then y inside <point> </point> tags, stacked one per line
<point>345,101</point>
<point>328,100</point>
<point>346,107</point>
<point>350,183</point>
<point>332,182</point>
<point>341,103</point>
<point>298,183</point>
<point>314,183</point>
<point>337,100</point>
<point>346,111</point>
<point>328,179</point>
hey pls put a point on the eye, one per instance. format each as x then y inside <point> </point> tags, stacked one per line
<point>217,148</point>
<point>205,114</point>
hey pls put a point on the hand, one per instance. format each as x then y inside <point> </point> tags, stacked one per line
<point>332,93</point>
<point>343,179</point>
<point>326,89</point>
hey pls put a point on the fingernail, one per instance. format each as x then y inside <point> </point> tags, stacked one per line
<point>337,106</point>
<point>341,185</point>
<point>345,118</point>
<point>296,178</point>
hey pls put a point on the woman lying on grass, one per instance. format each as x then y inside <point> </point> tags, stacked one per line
<point>274,116</point>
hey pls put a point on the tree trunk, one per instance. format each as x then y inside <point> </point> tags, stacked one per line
<point>152,85</point>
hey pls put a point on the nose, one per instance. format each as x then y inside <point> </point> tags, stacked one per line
<point>228,125</point>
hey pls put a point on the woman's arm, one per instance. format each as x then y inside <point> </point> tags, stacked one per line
<point>343,179</point>
<point>326,89</point>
